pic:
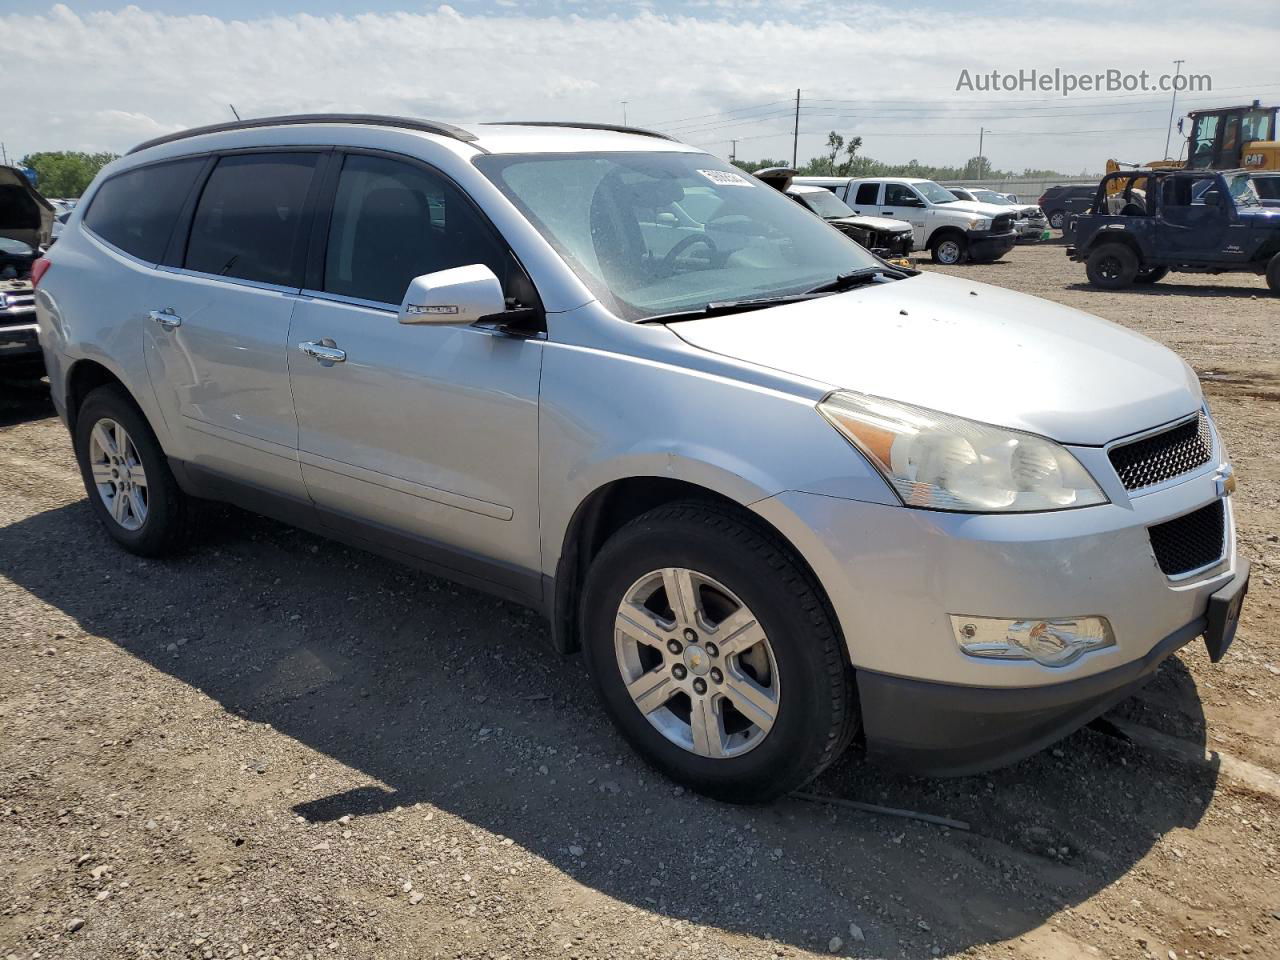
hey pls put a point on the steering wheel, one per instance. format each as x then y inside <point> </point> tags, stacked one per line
<point>668,265</point>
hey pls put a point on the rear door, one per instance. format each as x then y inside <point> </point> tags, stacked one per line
<point>220,312</point>
<point>422,438</point>
<point>866,198</point>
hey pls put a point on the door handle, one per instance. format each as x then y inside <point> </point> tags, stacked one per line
<point>166,318</point>
<point>325,351</point>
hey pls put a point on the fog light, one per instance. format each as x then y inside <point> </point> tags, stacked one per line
<point>1054,643</point>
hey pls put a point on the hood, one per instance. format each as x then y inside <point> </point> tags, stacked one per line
<point>1025,210</point>
<point>968,349</point>
<point>881,224</point>
<point>24,214</point>
<point>974,207</point>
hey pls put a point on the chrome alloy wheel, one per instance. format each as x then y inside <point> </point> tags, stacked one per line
<point>949,252</point>
<point>118,473</point>
<point>696,662</point>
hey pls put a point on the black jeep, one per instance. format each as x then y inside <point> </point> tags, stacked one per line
<point>1145,223</point>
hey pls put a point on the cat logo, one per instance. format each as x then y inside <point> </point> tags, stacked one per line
<point>1253,159</point>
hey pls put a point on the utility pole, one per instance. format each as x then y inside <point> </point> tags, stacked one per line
<point>733,150</point>
<point>5,154</point>
<point>1172,104</point>
<point>795,137</point>
<point>981,134</point>
<point>624,112</point>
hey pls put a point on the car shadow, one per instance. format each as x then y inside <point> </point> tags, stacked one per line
<point>24,400</point>
<point>444,696</point>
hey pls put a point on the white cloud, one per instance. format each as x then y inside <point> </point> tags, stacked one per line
<point>110,79</point>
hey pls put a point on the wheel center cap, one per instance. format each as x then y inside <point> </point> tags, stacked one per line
<point>696,659</point>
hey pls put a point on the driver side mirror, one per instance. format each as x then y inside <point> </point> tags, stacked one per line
<point>462,295</point>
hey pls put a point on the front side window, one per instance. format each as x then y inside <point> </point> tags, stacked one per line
<point>394,221</point>
<point>136,210</point>
<point>248,223</point>
<point>900,195</point>
<point>654,233</point>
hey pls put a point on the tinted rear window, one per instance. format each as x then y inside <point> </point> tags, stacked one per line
<point>136,211</point>
<point>867,193</point>
<point>248,223</point>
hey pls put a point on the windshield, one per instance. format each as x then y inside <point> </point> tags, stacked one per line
<point>990,196</point>
<point>657,233</point>
<point>825,204</point>
<point>934,193</point>
<point>1243,191</point>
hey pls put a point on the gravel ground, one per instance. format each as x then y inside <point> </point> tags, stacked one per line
<point>278,747</point>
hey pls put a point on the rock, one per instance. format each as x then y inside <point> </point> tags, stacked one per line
<point>416,897</point>
<point>74,924</point>
<point>855,932</point>
<point>834,944</point>
<point>923,926</point>
<point>150,825</point>
<point>610,786</point>
<point>576,851</point>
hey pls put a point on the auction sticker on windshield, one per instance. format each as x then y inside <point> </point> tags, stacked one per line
<point>725,178</point>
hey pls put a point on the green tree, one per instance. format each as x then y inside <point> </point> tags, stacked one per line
<point>65,173</point>
<point>834,144</point>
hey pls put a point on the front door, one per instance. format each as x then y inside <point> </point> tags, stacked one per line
<point>902,203</point>
<point>423,438</point>
<point>217,342</point>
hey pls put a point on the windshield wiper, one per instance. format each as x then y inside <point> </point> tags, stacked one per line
<point>717,308</point>
<point>847,281</point>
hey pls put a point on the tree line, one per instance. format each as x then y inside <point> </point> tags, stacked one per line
<point>842,159</point>
<point>65,173</point>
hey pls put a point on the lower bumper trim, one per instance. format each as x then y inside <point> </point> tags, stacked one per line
<point>940,729</point>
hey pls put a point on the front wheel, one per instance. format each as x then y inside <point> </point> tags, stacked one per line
<point>715,655</point>
<point>949,250</point>
<point>1273,274</point>
<point>1112,266</point>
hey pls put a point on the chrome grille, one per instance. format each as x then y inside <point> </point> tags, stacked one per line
<point>1192,541</point>
<point>1164,455</point>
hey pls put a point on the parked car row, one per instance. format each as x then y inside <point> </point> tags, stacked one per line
<point>27,223</point>
<point>784,496</point>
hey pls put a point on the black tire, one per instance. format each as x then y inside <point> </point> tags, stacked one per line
<point>949,248</point>
<point>1151,275</point>
<point>1112,266</point>
<point>1057,219</point>
<point>169,512</point>
<point>817,713</point>
<point>1273,274</point>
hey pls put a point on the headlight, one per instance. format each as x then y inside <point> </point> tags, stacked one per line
<point>979,223</point>
<point>943,462</point>
<point>1054,643</point>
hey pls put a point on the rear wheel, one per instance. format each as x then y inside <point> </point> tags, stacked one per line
<point>126,474</point>
<point>714,653</point>
<point>1273,274</point>
<point>1112,266</point>
<point>1057,218</point>
<point>949,249</point>
<point>1151,275</point>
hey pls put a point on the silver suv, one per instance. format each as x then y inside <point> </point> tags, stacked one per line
<point>779,493</point>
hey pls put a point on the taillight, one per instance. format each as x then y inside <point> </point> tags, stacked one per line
<point>39,269</point>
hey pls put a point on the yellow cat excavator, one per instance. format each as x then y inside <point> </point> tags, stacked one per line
<point>1224,138</point>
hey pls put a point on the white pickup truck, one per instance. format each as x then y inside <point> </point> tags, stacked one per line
<point>952,230</point>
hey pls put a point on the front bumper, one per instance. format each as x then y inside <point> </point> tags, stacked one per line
<point>985,245</point>
<point>940,729</point>
<point>19,342</point>
<point>895,575</point>
<point>1030,229</point>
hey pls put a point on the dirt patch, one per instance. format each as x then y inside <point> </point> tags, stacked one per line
<point>275,746</point>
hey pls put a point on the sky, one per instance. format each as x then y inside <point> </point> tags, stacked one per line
<point>104,76</point>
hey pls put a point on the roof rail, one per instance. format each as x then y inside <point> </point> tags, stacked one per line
<point>577,125</point>
<point>371,120</point>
